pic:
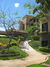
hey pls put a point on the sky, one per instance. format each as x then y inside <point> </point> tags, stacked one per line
<point>12,6</point>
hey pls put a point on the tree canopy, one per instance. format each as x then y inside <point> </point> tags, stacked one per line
<point>42,9</point>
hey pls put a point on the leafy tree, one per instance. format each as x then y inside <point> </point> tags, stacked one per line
<point>8,23</point>
<point>43,8</point>
<point>30,7</point>
<point>36,26</point>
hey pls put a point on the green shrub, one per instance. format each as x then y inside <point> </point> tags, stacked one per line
<point>6,40</point>
<point>1,48</point>
<point>3,51</point>
<point>35,44</point>
<point>44,49</point>
<point>36,37</point>
<point>12,51</point>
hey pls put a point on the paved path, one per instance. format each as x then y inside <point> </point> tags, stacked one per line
<point>33,58</point>
<point>48,65</point>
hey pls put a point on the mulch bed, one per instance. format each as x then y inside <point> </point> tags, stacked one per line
<point>9,55</point>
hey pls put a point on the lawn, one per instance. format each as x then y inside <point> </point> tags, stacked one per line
<point>22,54</point>
<point>35,44</point>
<point>36,65</point>
<point>17,49</point>
<point>48,61</point>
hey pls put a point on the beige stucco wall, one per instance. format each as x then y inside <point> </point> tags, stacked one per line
<point>27,21</point>
<point>40,27</point>
<point>48,25</point>
<point>23,22</point>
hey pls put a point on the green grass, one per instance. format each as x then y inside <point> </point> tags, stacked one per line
<point>48,61</point>
<point>6,40</point>
<point>36,65</point>
<point>35,44</point>
<point>44,49</point>
<point>16,49</point>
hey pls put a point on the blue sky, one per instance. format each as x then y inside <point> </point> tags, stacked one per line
<point>12,6</point>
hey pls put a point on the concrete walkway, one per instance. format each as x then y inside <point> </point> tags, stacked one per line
<point>33,58</point>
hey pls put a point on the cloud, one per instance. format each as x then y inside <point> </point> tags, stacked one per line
<point>16,4</point>
<point>2,29</point>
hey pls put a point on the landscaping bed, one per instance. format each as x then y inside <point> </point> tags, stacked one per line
<point>8,55</point>
<point>13,52</point>
<point>36,65</point>
<point>44,49</point>
<point>48,61</point>
<point>35,44</point>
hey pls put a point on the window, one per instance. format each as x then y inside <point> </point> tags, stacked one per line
<point>45,27</point>
<point>44,43</point>
<point>34,20</point>
<point>23,26</point>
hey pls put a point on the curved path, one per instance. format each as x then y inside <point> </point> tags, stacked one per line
<point>33,58</point>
